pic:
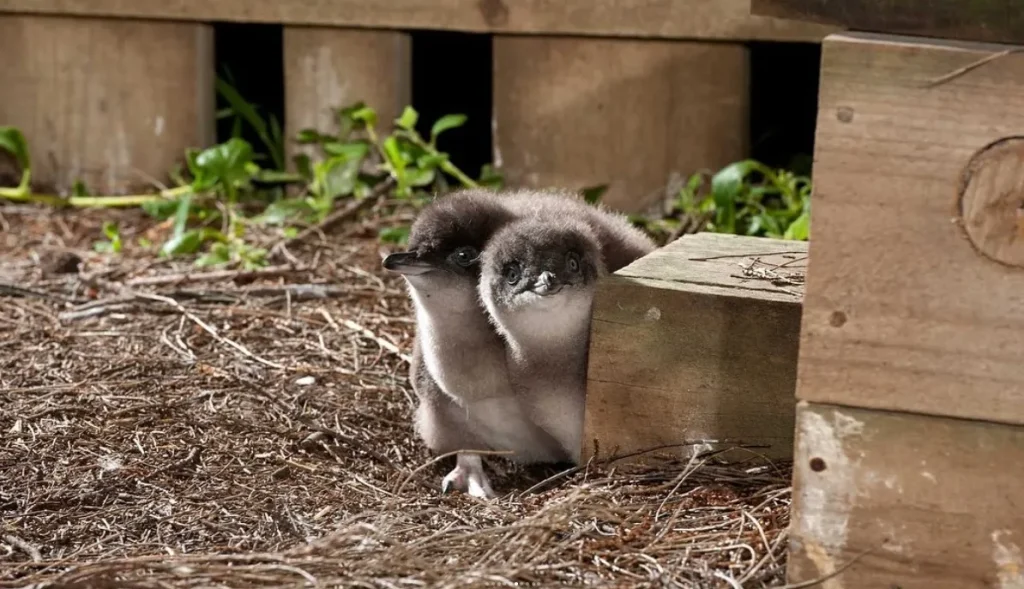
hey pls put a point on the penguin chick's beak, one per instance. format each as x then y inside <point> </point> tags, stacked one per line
<point>546,284</point>
<point>407,263</point>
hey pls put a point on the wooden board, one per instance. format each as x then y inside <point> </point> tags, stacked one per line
<point>583,112</point>
<point>684,349</point>
<point>703,19</point>
<point>327,69</point>
<point>904,310</point>
<point>937,501</point>
<point>984,20</point>
<point>113,103</point>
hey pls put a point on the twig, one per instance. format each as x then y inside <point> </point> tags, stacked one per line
<point>835,573</point>
<point>24,546</point>
<point>185,277</point>
<point>745,256</point>
<point>210,330</point>
<point>931,83</point>
<point>379,340</point>
<point>347,440</point>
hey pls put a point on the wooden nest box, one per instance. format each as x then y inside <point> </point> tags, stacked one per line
<point>695,347</point>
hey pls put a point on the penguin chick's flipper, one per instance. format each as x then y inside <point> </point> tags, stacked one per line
<point>469,477</point>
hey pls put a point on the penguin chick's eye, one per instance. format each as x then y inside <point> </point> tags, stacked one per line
<point>573,262</point>
<point>512,272</point>
<point>464,256</point>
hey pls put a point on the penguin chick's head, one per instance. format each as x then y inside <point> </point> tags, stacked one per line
<point>542,269</point>
<point>446,240</point>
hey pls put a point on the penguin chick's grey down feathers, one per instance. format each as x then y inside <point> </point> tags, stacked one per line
<point>461,353</point>
<point>537,281</point>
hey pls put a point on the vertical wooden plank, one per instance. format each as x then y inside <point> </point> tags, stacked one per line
<point>921,502</point>
<point>329,68</point>
<point>915,288</point>
<point>577,112</point>
<point>113,103</point>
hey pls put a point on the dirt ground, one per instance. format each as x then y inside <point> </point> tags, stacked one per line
<point>167,429</point>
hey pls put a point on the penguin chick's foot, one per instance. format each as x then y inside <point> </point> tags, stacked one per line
<point>469,477</point>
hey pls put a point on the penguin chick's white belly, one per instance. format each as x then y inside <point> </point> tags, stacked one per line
<point>505,424</point>
<point>560,411</point>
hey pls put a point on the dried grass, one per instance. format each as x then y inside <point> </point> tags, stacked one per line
<point>162,433</point>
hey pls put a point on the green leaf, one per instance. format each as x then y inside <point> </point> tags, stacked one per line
<point>445,123</point>
<point>431,160</point>
<point>307,136</point>
<point>181,216</point>
<point>800,229</point>
<point>186,243</point>
<point>219,253</point>
<point>396,235</point>
<point>593,194</point>
<point>13,142</point>
<point>394,155</point>
<point>280,211</point>
<point>491,177</point>
<point>348,151</point>
<point>227,163</point>
<point>408,119</point>
<point>161,209</point>
<point>304,166</point>
<point>365,115</point>
<point>334,177</point>
<point>79,189</point>
<point>419,177</point>
<point>247,111</point>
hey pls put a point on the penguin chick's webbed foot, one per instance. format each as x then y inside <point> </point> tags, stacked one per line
<point>469,477</point>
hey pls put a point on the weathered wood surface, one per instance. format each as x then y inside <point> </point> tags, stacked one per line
<point>938,501</point>
<point>701,19</point>
<point>975,20</point>
<point>684,348</point>
<point>330,68</point>
<point>903,311</point>
<point>113,103</point>
<point>585,112</point>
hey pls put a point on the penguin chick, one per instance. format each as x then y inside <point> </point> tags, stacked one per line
<point>461,352</point>
<point>537,282</point>
<point>621,243</point>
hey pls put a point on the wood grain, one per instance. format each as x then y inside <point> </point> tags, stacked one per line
<point>585,112</point>
<point>902,311</point>
<point>113,103</point>
<point>329,68</point>
<point>937,501</point>
<point>684,349</point>
<point>977,20</point>
<point>698,19</point>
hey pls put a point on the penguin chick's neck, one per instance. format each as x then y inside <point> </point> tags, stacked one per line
<point>555,327</point>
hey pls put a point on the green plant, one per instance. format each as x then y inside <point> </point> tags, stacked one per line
<point>223,191</point>
<point>743,198</point>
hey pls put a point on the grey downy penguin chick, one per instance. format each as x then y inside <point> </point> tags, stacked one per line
<point>537,282</point>
<point>621,243</point>
<point>461,352</point>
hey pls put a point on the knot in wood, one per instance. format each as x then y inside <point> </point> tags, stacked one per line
<point>992,201</point>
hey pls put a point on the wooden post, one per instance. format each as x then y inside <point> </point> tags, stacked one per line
<point>914,304</point>
<point>575,112</point>
<point>327,69</point>
<point>113,103</point>
<point>686,345</point>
